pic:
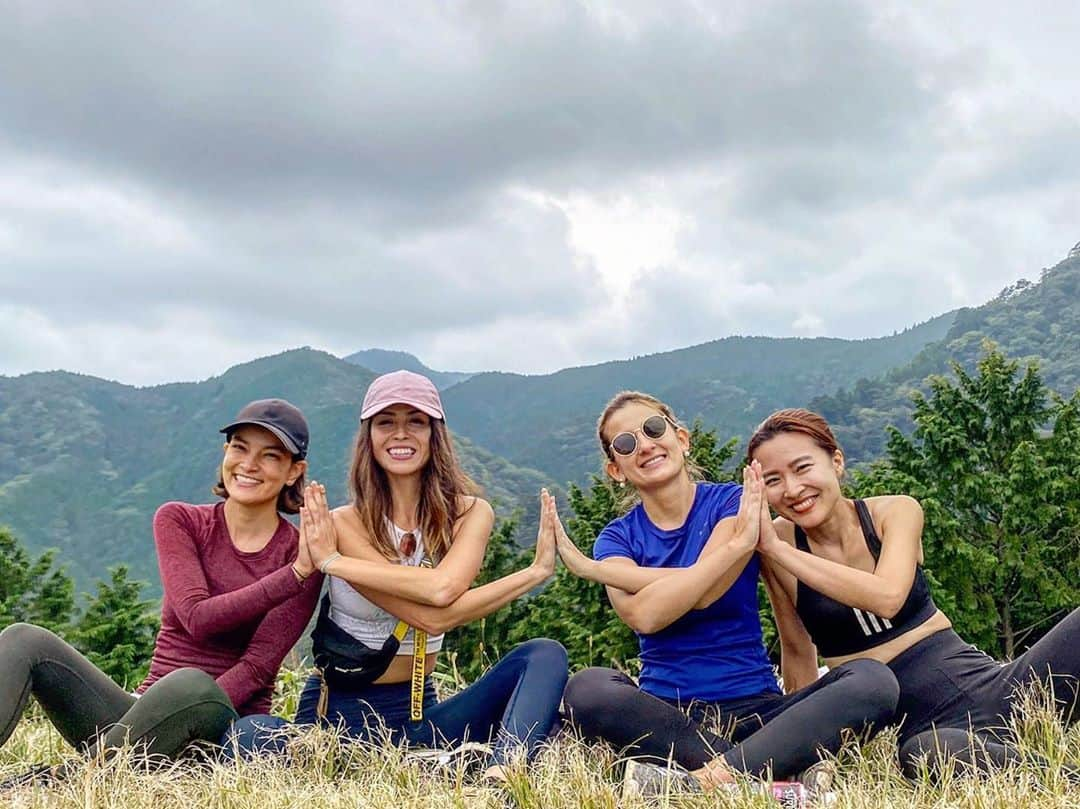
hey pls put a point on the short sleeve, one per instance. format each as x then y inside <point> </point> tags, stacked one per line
<point>614,540</point>
<point>727,503</point>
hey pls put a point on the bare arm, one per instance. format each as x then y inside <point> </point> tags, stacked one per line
<point>798,655</point>
<point>664,601</point>
<point>472,604</point>
<point>625,574</point>
<point>882,591</point>
<point>438,586</point>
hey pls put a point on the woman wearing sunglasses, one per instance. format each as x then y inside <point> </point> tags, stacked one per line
<point>681,571</point>
<point>238,591</point>
<point>868,599</point>
<point>413,504</point>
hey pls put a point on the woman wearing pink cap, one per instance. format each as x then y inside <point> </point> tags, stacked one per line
<point>402,564</point>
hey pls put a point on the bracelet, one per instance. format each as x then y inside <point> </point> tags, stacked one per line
<point>296,572</point>
<point>326,562</point>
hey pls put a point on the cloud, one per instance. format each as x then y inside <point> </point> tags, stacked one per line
<point>514,185</point>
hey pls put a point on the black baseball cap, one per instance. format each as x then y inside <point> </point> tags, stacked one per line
<point>282,418</point>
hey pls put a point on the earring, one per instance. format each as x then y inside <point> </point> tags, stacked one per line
<point>621,484</point>
<point>686,453</point>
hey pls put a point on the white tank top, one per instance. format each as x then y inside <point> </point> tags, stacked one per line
<point>367,622</point>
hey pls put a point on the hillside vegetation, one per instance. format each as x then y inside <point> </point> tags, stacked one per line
<point>548,422</point>
<point>84,462</point>
<point>1037,322</point>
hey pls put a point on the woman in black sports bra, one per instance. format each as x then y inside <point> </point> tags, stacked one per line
<point>850,569</point>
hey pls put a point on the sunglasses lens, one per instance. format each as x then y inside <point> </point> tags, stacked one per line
<point>624,444</point>
<point>654,426</point>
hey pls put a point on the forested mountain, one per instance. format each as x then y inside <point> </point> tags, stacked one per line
<point>382,361</point>
<point>1028,321</point>
<point>84,462</point>
<point>548,422</point>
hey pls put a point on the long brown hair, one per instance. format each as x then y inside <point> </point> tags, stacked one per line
<point>794,420</point>
<point>443,486</point>
<point>618,402</point>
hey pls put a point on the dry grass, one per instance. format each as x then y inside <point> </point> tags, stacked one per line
<point>322,771</point>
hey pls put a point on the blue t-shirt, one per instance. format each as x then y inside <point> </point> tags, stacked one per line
<point>715,654</point>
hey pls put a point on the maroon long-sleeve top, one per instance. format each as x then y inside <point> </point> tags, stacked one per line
<point>234,615</point>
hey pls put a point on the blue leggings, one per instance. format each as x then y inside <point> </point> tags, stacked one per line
<point>514,704</point>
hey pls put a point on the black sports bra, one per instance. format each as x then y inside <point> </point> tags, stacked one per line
<point>838,629</point>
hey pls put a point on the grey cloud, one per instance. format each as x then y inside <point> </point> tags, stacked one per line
<point>273,103</point>
<point>348,281</point>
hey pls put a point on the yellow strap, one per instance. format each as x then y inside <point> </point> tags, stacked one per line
<point>419,660</point>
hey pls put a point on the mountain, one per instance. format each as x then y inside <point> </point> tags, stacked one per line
<point>382,361</point>
<point>85,462</point>
<point>1028,321</point>
<point>548,422</point>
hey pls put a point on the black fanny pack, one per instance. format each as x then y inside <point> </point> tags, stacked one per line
<point>345,662</point>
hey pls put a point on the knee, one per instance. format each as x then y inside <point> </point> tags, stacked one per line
<point>24,637</point>
<point>191,686</point>
<point>873,689</point>
<point>587,693</point>
<point>547,654</point>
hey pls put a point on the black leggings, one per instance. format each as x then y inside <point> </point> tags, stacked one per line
<point>92,712</point>
<point>956,701</point>
<point>769,731</point>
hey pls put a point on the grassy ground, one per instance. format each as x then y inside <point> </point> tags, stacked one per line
<point>323,772</point>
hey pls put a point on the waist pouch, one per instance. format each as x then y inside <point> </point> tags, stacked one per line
<point>345,662</point>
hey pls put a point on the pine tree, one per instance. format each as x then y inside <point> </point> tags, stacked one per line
<point>32,591</point>
<point>117,630</point>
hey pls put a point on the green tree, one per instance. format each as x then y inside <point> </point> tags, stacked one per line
<point>117,630</point>
<point>995,462</point>
<point>477,645</point>
<point>32,591</point>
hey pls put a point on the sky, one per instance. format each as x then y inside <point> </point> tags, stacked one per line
<point>517,186</point>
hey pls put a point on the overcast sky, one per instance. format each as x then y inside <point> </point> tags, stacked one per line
<point>517,186</point>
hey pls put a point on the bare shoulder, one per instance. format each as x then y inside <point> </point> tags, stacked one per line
<point>349,529</point>
<point>471,507</point>
<point>785,529</point>
<point>887,506</point>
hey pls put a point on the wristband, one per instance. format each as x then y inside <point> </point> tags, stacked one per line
<point>296,572</point>
<point>326,562</point>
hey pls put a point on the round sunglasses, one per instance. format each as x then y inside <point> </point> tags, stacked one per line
<point>652,428</point>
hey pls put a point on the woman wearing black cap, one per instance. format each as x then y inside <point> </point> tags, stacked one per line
<point>238,591</point>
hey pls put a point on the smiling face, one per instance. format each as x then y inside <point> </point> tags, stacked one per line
<point>802,479</point>
<point>655,461</point>
<point>256,466</point>
<point>401,439</point>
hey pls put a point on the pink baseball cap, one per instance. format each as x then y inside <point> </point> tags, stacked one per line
<point>402,387</point>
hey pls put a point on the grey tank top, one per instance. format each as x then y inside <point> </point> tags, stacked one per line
<point>367,622</point>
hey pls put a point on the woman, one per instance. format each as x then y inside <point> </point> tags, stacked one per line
<point>238,591</point>
<point>413,503</point>
<point>852,571</point>
<point>680,570</point>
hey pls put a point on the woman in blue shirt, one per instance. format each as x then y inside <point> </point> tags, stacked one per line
<point>681,571</point>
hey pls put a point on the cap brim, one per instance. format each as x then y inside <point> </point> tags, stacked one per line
<point>375,407</point>
<point>284,439</point>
